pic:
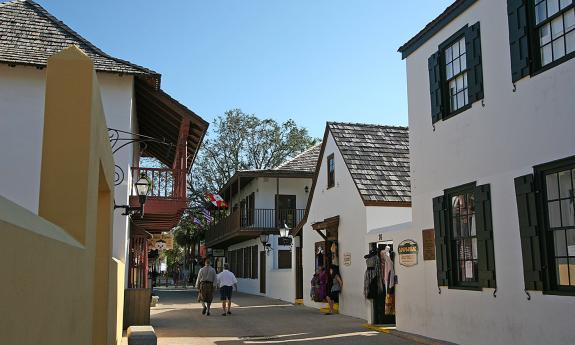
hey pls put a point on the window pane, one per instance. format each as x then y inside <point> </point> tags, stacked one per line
<point>464,226</point>
<point>560,243</point>
<point>455,205</point>
<point>449,70</point>
<point>454,103</point>
<point>565,3</point>
<point>455,49</point>
<point>540,12</point>
<point>455,227</point>
<point>552,7</point>
<point>472,224</point>
<point>570,242</point>
<point>569,18</point>
<point>565,183</point>
<point>557,27</point>
<point>466,101</point>
<point>570,42</point>
<point>546,55</point>
<point>456,66</point>
<point>460,100</point>
<point>448,55</point>
<point>462,46</point>
<point>558,48</point>
<point>562,270</point>
<point>554,214</point>
<point>465,81</point>
<point>459,82</point>
<point>463,62</point>
<point>552,187</point>
<point>545,34</point>
<point>463,203</point>
<point>567,215</point>
<point>474,247</point>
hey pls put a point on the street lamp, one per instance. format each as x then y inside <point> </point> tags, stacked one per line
<point>264,239</point>
<point>142,188</point>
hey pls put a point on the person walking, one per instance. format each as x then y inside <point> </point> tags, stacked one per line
<point>205,285</point>
<point>337,284</point>
<point>227,282</point>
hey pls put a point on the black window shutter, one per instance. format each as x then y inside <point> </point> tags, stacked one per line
<point>475,72</point>
<point>435,87</point>
<point>530,232</point>
<point>518,38</point>
<point>484,228</point>
<point>441,251</point>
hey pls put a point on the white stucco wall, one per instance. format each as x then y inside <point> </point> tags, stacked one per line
<point>21,128</point>
<point>280,283</point>
<point>491,144</point>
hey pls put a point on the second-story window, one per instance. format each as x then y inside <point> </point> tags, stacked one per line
<point>330,171</point>
<point>455,73</point>
<point>555,25</point>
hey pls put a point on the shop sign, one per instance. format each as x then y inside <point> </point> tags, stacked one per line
<point>284,241</point>
<point>428,244</point>
<point>408,251</point>
<point>347,259</point>
<point>161,242</point>
<point>218,253</point>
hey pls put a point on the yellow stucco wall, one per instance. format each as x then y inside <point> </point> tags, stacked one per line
<point>60,284</point>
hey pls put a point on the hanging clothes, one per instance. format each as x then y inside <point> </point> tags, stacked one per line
<point>389,272</point>
<point>334,256</point>
<point>372,284</point>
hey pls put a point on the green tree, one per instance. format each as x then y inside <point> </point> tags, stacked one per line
<point>240,141</point>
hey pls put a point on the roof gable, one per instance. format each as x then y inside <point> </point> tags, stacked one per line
<point>305,161</point>
<point>377,158</point>
<point>29,35</point>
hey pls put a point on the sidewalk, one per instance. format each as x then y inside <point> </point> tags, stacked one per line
<point>177,320</point>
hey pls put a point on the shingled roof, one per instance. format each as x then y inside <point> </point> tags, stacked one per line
<point>305,161</point>
<point>29,35</point>
<point>377,158</point>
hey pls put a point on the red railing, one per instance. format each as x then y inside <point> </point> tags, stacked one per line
<point>166,183</point>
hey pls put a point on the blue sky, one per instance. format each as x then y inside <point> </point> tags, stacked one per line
<point>310,60</point>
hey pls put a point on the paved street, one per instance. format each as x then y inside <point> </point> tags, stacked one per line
<point>257,320</point>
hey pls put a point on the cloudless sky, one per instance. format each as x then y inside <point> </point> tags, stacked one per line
<point>310,60</point>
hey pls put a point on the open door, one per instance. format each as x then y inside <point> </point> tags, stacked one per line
<point>298,273</point>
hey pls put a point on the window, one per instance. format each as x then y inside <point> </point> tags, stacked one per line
<point>541,35</point>
<point>455,73</point>
<point>465,254</point>
<point>464,237</point>
<point>554,28</point>
<point>255,262</point>
<point>284,259</point>
<point>247,262</point>
<point>548,236</point>
<point>330,171</point>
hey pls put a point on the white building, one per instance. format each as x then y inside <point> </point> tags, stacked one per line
<point>133,103</point>
<point>492,159</point>
<point>262,201</point>
<point>361,182</point>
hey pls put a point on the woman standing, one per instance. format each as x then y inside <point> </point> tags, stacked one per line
<point>322,283</point>
<point>336,286</point>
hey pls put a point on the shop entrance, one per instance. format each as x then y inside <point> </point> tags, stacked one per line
<point>383,302</point>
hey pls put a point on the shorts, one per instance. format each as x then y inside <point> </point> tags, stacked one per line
<point>226,293</point>
<point>334,296</point>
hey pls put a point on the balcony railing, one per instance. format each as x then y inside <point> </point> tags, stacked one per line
<point>244,221</point>
<point>166,183</point>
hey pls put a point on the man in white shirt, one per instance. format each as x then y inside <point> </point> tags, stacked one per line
<point>227,281</point>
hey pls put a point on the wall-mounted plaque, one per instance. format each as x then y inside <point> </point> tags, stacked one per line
<point>428,244</point>
<point>407,252</point>
<point>347,259</point>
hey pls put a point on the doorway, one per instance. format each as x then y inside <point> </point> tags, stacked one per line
<point>378,305</point>
<point>263,271</point>
<point>286,210</point>
<point>298,273</point>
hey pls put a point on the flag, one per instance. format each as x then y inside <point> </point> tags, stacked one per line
<point>197,221</point>
<point>207,215</point>
<point>216,200</point>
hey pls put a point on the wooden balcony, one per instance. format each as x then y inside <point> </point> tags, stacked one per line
<point>246,224</point>
<point>166,200</point>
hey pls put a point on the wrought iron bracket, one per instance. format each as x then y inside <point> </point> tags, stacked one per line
<point>129,210</point>
<point>439,288</point>
<point>120,139</point>
<point>528,295</point>
<point>495,293</point>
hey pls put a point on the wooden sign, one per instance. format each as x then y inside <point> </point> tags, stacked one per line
<point>408,251</point>
<point>428,244</point>
<point>347,259</point>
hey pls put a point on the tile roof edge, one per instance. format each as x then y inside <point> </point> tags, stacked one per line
<point>297,156</point>
<point>357,124</point>
<point>42,11</point>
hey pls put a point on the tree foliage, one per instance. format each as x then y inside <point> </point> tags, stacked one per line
<point>240,141</point>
